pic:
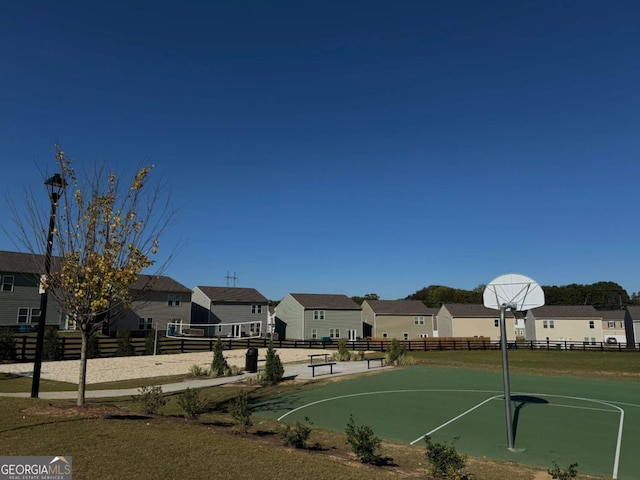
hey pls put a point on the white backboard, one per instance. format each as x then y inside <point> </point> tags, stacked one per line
<point>516,291</point>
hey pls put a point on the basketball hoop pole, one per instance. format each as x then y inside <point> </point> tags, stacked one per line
<point>505,374</point>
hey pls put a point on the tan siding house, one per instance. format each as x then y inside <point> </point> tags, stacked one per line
<point>401,319</point>
<point>613,326</point>
<point>472,320</point>
<point>572,323</point>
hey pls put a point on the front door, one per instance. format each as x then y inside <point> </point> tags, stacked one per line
<point>235,331</point>
<point>352,335</point>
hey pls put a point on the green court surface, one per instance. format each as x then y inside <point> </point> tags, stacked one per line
<point>595,423</point>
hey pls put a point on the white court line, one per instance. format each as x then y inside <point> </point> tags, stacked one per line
<point>454,419</point>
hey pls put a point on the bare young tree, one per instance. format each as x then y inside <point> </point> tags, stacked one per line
<point>107,234</point>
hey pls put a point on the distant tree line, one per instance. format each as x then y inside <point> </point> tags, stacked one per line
<point>602,295</point>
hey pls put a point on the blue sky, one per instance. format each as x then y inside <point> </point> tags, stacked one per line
<point>346,146</point>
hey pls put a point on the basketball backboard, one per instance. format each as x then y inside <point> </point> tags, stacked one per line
<point>514,291</point>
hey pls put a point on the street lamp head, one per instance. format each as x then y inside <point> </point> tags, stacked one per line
<point>55,186</point>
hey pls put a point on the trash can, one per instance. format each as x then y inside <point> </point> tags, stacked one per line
<point>251,360</point>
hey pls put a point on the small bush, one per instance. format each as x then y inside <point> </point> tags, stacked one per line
<point>52,346</point>
<point>151,398</point>
<point>198,371</point>
<point>7,344</point>
<point>343,354</point>
<point>93,346</point>
<point>219,365</point>
<point>273,368</point>
<point>150,343</point>
<point>190,403</point>
<point>444,460</point>
<point>125,347</point>
<point>559,474</point>
<point>363,442</point>
<point>296,435</point>
<point>395,352</point>
<point>241,413</point>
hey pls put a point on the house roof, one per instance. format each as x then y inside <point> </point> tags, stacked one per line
<point>325,301</point>
<point>158,283</point>
<point>400,307</point>
<point>233,294</point>
<point>611,314</point>
<point>634,311</point>
<point>17,262</point>
<point>568,311</point>
<point>471,310</point>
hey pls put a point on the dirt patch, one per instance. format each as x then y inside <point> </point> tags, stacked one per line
<point>73,411</point>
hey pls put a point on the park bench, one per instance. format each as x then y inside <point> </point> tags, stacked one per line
<point>324,363</point>
<point>374,359</point>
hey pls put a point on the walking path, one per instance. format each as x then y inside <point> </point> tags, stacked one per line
<point>291,371</point>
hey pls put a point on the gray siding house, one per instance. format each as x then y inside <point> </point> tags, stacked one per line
<point>401,319</point>
<point>20,295</point>
<point>308,316</point>
<point>632,324</point>
<point>156,301</point>
<point>235,311</point>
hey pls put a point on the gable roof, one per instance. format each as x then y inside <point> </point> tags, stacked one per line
<point>233,294</point>
<point>158,283</point>
<point>611,314</point>
<point>400,307</point>
<point>18,262</point>
<point>568,311</point>
<point>471,310</point>
<point>634,312</point>
<point>325,301</point>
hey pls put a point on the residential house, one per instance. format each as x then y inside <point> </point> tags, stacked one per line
<point>155,302</point>
<point>401,319</point>
<point>632,324</point>
<point>572,323</point>
<point>235,311</point>
<point>20,292</point>
<point>317,316</point>
<point>474,320</point>
<point>613,326</point>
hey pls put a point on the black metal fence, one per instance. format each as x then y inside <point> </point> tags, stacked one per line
<point>70,346</point>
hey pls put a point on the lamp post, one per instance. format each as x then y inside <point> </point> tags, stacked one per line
<point>55,186</point>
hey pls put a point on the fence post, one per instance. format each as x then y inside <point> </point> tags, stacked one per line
<point>182,346</point>
<point>24,348</point>
<point>62,345</point>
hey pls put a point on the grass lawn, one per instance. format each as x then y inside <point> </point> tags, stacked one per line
<point>111,439</point>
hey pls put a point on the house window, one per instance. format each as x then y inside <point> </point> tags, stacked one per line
<point>496,322</point>
<point>423,335</point>
<point>334,333</point>
<point>254,328</point>
<point>28,315</point>
<point>611,324</point>
<point>552,324</point>
<point>318,314</point>
<point>7,283</point>
<point>256,308</point>
<point>173,300</point>
<point>545,324</point>
<point>385,335</point>
<point>592,324</point>
<point>418,320</point>
<point>145,323</point>
<point>405,336</point>
<point>314,333</point>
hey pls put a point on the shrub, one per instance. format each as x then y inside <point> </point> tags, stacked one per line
<point>151,398</point>
<point>560,474</point>
<point>219,365</point>
<point>7,344</point>
<point>273,368</point>
<point>395,352</point>
<point>150,343</point>
<point>363,442</point>
<point>296,435</point>
<point>444,460</point>
<point>93,346</point>
<point>125,347</point>
<point>190,403</point>
<point>52,346</point>
<point>343,353</point>
<point>241,413</point>
<point>198,371</point>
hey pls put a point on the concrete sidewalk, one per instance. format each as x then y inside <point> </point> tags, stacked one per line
<point>298,371</point>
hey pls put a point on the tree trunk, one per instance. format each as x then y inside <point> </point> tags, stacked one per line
<point>83,367</point>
